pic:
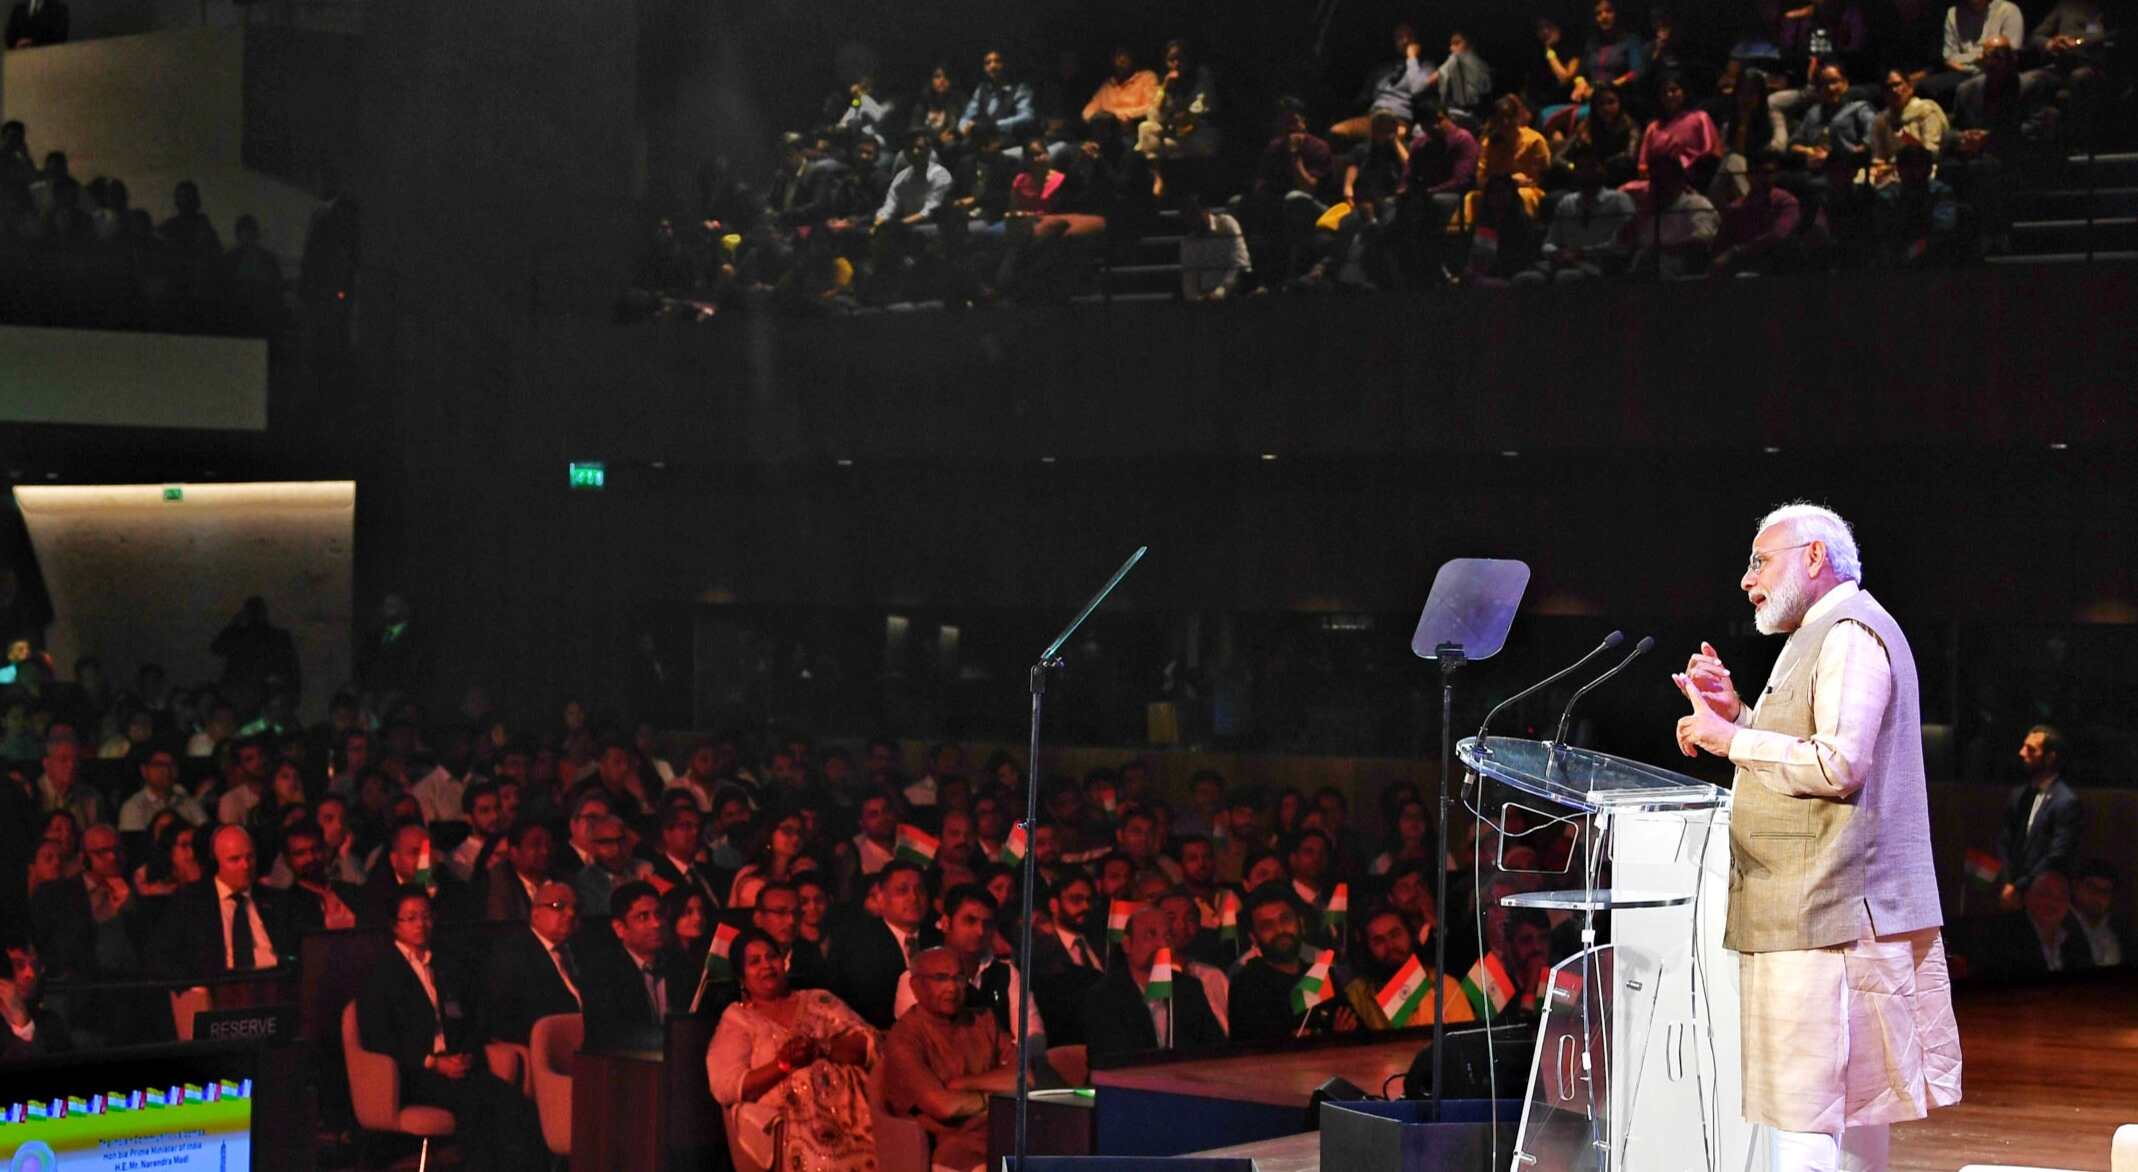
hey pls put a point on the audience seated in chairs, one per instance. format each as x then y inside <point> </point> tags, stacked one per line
<point>415,1008</point>
<point>532,974</point>
<point>789,1068</point>
<point>942,1059</point>
<point>1122,1017</point>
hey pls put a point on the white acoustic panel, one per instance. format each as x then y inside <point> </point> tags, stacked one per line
<point>138,576</point>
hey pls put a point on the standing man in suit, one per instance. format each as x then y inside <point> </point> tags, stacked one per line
<point>2043,821</point>
<point>1830,870</point>
<point>225,923</point>
<point>1118,1016</point>
<point>629,991</point>
<point>531,975</point>
<point>868,958</point>
<point>413,1008</point>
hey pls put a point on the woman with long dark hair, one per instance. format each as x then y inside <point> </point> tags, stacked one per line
<point>1750,125</point>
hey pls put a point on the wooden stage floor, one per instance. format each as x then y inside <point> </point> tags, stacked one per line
<point>2050,1073</point>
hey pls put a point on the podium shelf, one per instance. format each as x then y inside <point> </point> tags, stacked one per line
<point>1594,901</point>
<point>1583,778</point>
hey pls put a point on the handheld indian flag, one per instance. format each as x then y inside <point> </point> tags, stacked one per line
<point>422,877</point>
<point>916,844</point>
<point>1117,915</point>
<point>1403,994</point>
<point>1161,986</point>
<point>719,963</point>
<point>1228,918</point>
<point>1316,986</point>
<point>1013,846</point>
<point>1339,909</point>
<point>1488,986</point>
<point>1983,867</point>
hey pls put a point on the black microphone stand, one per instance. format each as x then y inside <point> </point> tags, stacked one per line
<point>1048,659</point>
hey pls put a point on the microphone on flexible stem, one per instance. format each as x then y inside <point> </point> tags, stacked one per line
<point>1640,649</point>
<point>1611,640</point>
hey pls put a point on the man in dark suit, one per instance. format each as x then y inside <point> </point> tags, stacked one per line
<point>675,850</point>
<point>1120,1017</point>
<point>316,902</point>
<point>868,958</point>
<point>2043,937</point>
<point>413,1008</point>
<point>406,849</point>
<point>532,974</point>
<point>2043,820</point>
<point>225,923</point>
<point>1065,965</point>
<point>37,22</point>
<point>628,991</point>
<point>778,914</point>
<point>510,886</point>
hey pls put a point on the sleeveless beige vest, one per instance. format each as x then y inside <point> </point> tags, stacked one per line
<point>1806,872</point>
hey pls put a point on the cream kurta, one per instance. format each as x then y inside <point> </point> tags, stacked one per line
<point>1863,1033</point>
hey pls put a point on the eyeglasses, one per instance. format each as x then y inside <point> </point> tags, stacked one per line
<point>1759,558</point>
<point>559,905</point>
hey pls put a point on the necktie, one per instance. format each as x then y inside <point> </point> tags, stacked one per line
<point>563,953</point>
<point>1082,954</point>
<point>653,993</point>
<point>241,944</point>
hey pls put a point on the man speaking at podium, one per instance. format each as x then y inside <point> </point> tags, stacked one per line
<point>1847,1006</point>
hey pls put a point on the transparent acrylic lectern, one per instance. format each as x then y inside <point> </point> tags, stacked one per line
<point>1628,1072</point>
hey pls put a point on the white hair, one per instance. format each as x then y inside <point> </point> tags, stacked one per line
<point>1809,522</point>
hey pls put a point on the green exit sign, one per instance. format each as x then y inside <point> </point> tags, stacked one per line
<point>589,474</point>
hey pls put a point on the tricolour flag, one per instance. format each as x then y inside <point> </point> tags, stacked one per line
<point>422,877</point>
<point>231,1090</point>
<point>719,959</point>
<point>1316,986</point>
<point>1161,986</point>
<point>916,844</point>
<point>39,1110</point>
<point>1403,994</point>
<point>122,1100</point>
<point>1339,909</point>
<point>1565,988</point>
<point>1013,846</point>
<point>1228,918</point>
<point>1983,867</point>
<point>1488,986</point>
<point>77,1105</point>
<point>1117,915</point>
<point>196,1093</point>
<point>15,1113</point>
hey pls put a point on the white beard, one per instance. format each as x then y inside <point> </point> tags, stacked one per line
<point>1784,609</point>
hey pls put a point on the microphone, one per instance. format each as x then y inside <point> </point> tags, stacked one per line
<point>1640,649</point>
<point>1611,640</point>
